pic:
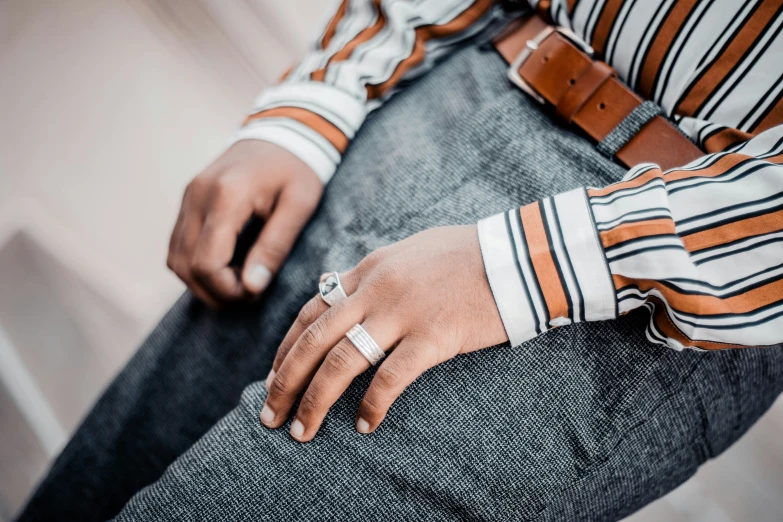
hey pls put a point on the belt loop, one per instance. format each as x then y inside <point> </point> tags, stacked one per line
<point>628,128</point>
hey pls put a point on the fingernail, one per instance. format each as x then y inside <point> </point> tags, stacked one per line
<point>267,415</point>
<point>259,277</point>
<point>362,426</point>
<point>297,429</point>
<point>270,378</point>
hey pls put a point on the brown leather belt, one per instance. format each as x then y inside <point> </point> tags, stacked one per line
<point>556,67</point>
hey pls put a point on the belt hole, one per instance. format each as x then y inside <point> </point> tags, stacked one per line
<point>601,106</point>
<point>571,81</point>
<point>545,59</point>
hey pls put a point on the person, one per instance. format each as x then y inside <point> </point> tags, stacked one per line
<point>533,361</point>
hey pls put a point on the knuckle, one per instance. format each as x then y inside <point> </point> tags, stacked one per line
<point>200,266</point>
<point>308,405</point>
<point>371,406</point>
<point>341,358</point>
<point>388,377</point>
<point>371,260</point>
<point>311,339</point>
<point>309,312</point>
<point>225,188</point>
<point>279,386</point>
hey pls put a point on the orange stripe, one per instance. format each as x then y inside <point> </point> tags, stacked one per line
<point>543,262</point>
<point>669,329</point>
<point>604,24</point>
<point>628,231</point>
<point>773,119</point>
<point>704,305</point>
<point>319,124</point>
<point>331,28</point>
<point>661,44</point>
<point>724,139</point>
<point>764,224</point>
<point>363,36</point>
<point>571,4</point>
<point>425,33</point>
<point>622,185</point>
<point>699,92</point>
<point>716,169</point>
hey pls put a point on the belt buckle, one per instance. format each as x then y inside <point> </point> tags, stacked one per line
<point>532,45</point>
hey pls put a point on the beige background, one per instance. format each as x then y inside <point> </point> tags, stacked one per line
<point>107,109</point>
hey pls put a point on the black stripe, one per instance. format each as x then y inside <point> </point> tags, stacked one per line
<point>638,240</point>
<point>679,50</point>
<point>631,5</point>
<point>770,108</point>
<point>743,217</point>
<point>662,185</point>
<point>725,285</point>
<point>537,287</point>
<point>748,69</point>
<point>639,220</point>
<point>734,293</point>
<point>722,177</point>
<point>738,206</point>
<point>569,264</point>
<point>587,22</point>
<point>740,326</point>
<point>726,44</point>
<point>737,251</point>
<point>643,250</point>
<point>521,274</point>
<point>563,285</point>
<point>634,213</point>
<point>643,38</point>
<point>652,327</point>
<point>696,317</point>
<point>557,14</point>
<point>603,252</point>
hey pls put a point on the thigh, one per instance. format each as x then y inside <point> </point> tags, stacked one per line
<point>590,421</point>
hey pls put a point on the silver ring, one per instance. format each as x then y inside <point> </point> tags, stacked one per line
<point>365,344</point>
<point>331,289</point>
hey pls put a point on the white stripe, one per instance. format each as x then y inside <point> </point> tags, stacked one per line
<point>528,273</point>
<point>341,109</point>
<point>504,280</point>
<point>729,112</point>
<point>586,252</point>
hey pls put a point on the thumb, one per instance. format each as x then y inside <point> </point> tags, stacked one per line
<point>290,215</point>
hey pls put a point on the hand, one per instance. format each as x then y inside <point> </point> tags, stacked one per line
<point>251,178</point>
<point>426,297</point>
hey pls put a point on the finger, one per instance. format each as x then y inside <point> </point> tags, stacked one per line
<point>340,367</point>
<point>288,218</point>
<point>306,355</point>
<point>305,358</point>
<point>405,364</point>
<point>180,261</point>
<point>309,313</point>
<point>215,248</point>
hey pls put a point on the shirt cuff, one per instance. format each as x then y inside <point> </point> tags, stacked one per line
<point>312,120</point>
<point>546,266</point>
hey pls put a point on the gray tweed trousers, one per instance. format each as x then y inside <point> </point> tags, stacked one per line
<point>588,422</point>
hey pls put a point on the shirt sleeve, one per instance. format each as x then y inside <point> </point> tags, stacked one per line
<point>366,50</point>
<point>701,247</point>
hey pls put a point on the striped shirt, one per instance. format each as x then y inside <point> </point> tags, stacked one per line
<point>701,246</point>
